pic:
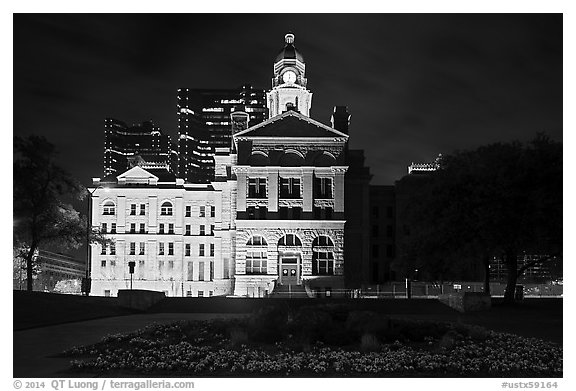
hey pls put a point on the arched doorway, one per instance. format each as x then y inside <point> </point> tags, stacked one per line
<point>289,260</point>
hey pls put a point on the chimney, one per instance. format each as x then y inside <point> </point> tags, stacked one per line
<point>341,119</point>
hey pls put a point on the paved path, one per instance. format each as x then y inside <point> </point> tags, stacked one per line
<point>33,348</point>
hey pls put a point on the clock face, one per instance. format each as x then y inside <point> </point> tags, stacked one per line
<point>289,77</point>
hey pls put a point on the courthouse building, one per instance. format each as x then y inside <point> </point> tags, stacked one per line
<point>273,215</point>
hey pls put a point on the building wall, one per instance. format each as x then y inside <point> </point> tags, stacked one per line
<point>382,211</point>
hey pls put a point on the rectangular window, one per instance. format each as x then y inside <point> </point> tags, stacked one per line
<point>257,188</point>
<point>170,248</point>
<point>296,213</point>
<point>142,248</point>
<point>161,229</point>
<point>212,211</point>
<point>160,265</point>
<point>211,270</point>
<point>289,187</point>
<point>170,228</point>
<point>202,211</point>
<point>104,228</point>
<point>211,249</point>
<point>202,230</point>
<point>201,293</point>
<point>132,228</point>
<point>103,264</point>
<point>107,293</point>
<point>201,271</point>
<point>201,250</point>
<point>112,263</point>
<point>190,273</point>
<point>103,252</point>
<point>160,248</point>
<point>113,228</point>
<point>142,228</point>
<point>256,262</point>
<point>188,230</point>
<point>170,265</point>
<point>323,188</point>
<point>210,293</point>
<point>187,250</point>
<point>112,249</point>
<point>142,209</point>
<point>133,209</point>
<point>188,293</point>
<point>188,211</point>
<point>132,248</point>
<point>212,230</point>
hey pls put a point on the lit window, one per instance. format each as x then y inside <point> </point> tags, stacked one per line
<point>166,209</point>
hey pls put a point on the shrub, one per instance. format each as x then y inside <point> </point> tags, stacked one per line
<point>238,337</point>
<point>369,343</point>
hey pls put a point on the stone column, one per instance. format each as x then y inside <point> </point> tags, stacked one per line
<point>339,188</point>
<point>241,197</point>
<point>121,214</point>
<point>273,190</point>
<point>152,214</point>
<point>308,187</point>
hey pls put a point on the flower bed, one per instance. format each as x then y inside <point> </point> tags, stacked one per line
<point>213,348</point>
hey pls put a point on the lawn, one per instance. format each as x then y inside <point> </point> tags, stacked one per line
<point>318,340</point>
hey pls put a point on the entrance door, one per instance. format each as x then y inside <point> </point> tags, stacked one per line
<point>289,271</point>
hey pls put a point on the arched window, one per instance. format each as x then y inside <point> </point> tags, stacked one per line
<point>109,208</point>
<point>166,209</point>
<point>322,256</point>
<point>289,240</point>
<point>291,158</point>
<point>256,255</point>
<point>258,158</point>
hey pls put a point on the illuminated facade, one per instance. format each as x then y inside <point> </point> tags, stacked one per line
<point>123,143</point>
<point>272,216</point>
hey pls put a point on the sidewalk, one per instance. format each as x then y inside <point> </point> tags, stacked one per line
<point>33,348</point>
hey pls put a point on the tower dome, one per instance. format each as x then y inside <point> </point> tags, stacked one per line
<point>289,51</point>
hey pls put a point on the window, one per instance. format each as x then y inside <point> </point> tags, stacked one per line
<point>103,263</point>
<point>160,248</point>
<point>161,229</point>
<point>257,188</point>
<point>212,211</point>
<point>166,209</point>
<point>188,211</point>
<point>170,248</point>
<point>107,293</point>
<point>289,240</point>
<point>142,228</point>
<point>170,265</point>
<point>187,230</point>
<point>322,256</point>
<point>256,262</point>
<point>212,230</point>
<point>142,209</point>
<point>109,208</point>
<point>289,187</point>
<point>190,272</point>
<point>112,263</point>
<point>132,248</point>
<point>142,248</point>
<point>201,293</point>
<point>210,293</point>
<point>187,250</point>
<point>211,249</point>
<point>112,249</point>
<point>104,228</point>
<point>257,240</point>
<point>323,188</point>
<point>188,293</point>
<point>201,250</point>
<point>170,228</point>
<point>160,265</point>
<point>211,270</point>
<point>201,271</point>
<point>132,209</point>
<point>103,252</point>
<point>202,211</point>
<point>132,228</point>
<point>202,230</point>
<point>113,228</point>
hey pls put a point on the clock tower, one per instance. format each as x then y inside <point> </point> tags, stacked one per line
<point>289,82</point>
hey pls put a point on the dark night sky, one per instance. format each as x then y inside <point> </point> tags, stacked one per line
<point>416,85</point>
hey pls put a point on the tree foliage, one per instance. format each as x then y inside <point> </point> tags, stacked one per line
<point>43,214</point>
<point>500,199</point>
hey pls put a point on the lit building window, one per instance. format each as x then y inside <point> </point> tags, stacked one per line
<point>166,209</point>
<point>322,256</point>
<point>256,255</point>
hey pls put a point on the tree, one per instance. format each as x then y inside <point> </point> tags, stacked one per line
<point>500,199</point>
<point>41,217</point>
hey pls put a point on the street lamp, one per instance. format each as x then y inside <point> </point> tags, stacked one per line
<point>86,284</point>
